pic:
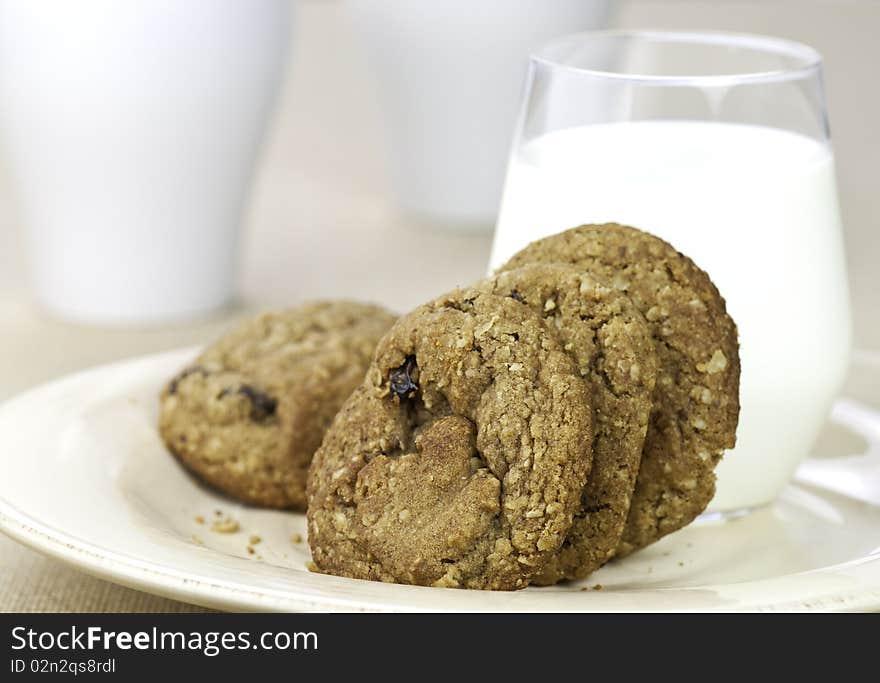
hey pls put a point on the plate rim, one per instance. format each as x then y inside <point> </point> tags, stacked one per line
<point>143,575</point>
<point>140,574</point>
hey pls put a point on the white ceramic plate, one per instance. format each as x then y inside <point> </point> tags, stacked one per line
<point>84,477</point>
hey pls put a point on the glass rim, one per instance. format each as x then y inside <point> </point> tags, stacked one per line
<point>808,59</point>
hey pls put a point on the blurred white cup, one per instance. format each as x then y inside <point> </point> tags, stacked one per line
<point>450,74</point>
<point>131,131</point>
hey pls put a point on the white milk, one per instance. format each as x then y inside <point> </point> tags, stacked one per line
<point>757,209</point>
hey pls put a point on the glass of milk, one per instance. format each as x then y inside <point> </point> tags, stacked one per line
<point>718,143</point>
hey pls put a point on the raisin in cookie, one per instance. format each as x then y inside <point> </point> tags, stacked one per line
<point>610,342</point>
<point>461,459</point>
<point>248,414</point>
<point>696,399</point>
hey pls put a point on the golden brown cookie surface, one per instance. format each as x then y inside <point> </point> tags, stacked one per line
<point>696,398</point>
<point>461,459</point>
<point>610,342</point>
<point>249,413</point>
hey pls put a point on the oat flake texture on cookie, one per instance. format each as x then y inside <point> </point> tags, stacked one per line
<point>696,397</point>
<point>248,414</point>
<point>610,342</point>
<point>461,459</point>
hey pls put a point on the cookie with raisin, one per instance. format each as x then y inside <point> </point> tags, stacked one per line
<point>461,460</point>
<point>248,414</point>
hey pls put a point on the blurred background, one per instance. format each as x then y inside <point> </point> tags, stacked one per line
<point>322,221</point>
<point>322,214</point>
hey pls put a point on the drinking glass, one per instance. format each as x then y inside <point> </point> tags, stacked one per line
<point>719,143</point>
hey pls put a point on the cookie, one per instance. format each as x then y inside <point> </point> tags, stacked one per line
<point>610,343</point>
<point>461,459</point>
<point>696,398</point>
<point>249,413</point>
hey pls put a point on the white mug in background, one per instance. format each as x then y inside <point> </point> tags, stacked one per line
<point>131,130</point>
<point>450,74</point>
<point>718,143</point>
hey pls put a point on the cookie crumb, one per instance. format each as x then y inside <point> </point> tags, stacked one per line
<point>681,564</point>
<point>225,525</point>
<point>311,566</point>
<point>297,538</point>
<point>254,540</point>
<point>250,550</point>
<point>197,540</point>
<point>597,587</point>
<point>200,519</point>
